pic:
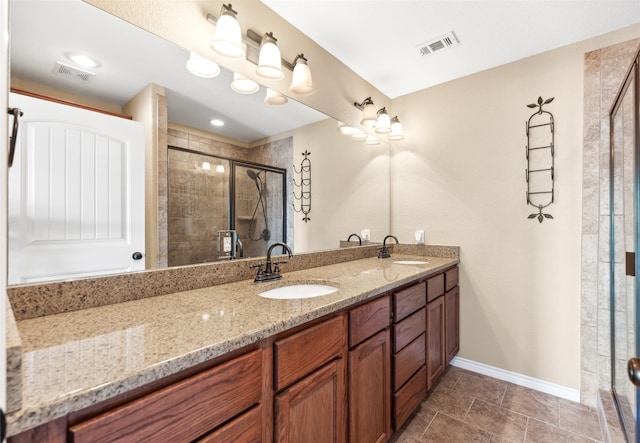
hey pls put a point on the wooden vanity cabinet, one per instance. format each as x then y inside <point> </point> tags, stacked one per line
<point>408,359</point>
<point>370,372</point>
<point>310,382</point>
<point>452,314</point>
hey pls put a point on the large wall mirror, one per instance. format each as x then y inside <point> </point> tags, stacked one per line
<point>253,154</point>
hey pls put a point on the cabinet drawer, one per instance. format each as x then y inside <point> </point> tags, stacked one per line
<point>408,361</point>
<point>408,300</point>
<point>183,411</point>
<point>451,279</point>
<point>302,353</point>
<point>366,320</point>
<point>409,397</point>
<point>435,287</point>
<point>246,428</point>
<point>408,329</point>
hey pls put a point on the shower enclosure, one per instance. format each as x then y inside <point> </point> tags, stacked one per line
<point>208,194</point>
<point>624,207</point>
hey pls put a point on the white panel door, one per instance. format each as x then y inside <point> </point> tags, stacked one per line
<point>4,138</point>
<point>76,193</point>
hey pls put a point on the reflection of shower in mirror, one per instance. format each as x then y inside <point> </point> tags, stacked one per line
<point>265,234</point>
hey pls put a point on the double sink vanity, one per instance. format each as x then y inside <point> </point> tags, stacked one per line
<point>202,353</point>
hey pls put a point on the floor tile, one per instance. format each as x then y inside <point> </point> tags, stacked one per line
<point>577,419</point>
<point>450,402</point>
<point>525,401</point>
<point>540,432</point>
<point>497,420</point>
<point>444,428</point>
<point>484,388</point>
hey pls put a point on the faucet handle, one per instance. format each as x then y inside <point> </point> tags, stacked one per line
<point>259,274</point>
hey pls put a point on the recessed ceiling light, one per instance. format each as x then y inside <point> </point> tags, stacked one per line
<point>82,60</point>
<point>217,122</point>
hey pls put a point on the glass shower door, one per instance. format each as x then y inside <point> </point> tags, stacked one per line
<point>624,192</point>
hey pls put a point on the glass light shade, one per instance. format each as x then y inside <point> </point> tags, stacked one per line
<point>369,116</point>
<point>345,129</point>
<point>269,62</point>
<point>220,168</point>
<point>206,166</point>
<point>358,134</point>
<point>371,140</point>
<point>202,67</point>
<point>384,122</point>
<point>227,38</point>
<point>274,98</point>
<point>244,85</point>
<point>301,83</point>
<point>396,130</point>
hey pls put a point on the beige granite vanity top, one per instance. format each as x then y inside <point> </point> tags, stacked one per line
<point>75,359</point>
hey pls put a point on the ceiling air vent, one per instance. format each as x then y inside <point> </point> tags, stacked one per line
<point>72,73</point>
<point>444,41</point>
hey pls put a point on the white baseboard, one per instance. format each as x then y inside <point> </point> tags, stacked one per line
<point>518,379</point>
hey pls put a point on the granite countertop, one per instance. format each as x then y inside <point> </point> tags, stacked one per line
<point>76,359</point>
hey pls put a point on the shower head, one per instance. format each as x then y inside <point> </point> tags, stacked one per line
<point>252,174</point>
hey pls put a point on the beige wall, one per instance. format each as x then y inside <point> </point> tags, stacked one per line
<point>460,174</point>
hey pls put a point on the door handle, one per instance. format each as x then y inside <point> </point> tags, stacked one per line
<point>633,368</point>
<point>16,112</point>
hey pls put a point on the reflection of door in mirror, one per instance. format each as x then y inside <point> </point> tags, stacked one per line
<point>258,207</point>
<point>76,193</point>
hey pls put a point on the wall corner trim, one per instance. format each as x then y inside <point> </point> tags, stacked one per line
<point>518,379</point>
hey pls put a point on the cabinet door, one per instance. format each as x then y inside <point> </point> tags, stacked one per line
<point>246,429</point>
<point>435,340</point>
<point>452,322</point>
<point>314,409</point>
<point>370,390</point>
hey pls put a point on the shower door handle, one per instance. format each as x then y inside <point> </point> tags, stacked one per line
<point>633,368</point>
<point>16,112</point>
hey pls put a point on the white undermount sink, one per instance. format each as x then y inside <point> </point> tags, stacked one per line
<point>410,262</point>
<point>294,292</point>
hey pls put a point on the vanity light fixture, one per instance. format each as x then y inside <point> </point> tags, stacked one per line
<point>227,38</point>
<point>301,83</point>
<point>384,122</point>
<point>358,134</point>
<point>202,67</point>
<point>345,129</point>
<point>372,140</point>
<point>369,117</point>
<point>206,166</point>
<point>244,85</point>
<point>269,64</point>
<point>220,168</point>
<point>397,132</point>
<point>274,98</point>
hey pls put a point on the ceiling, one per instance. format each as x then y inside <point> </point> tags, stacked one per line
<point>378,39</point>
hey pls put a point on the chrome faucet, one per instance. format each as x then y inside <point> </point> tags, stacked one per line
<point>384,251</point>
<point>357,236</point>
<point>272,269</point>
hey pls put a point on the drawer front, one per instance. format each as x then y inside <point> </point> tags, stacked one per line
<point>302,353</point>
<point>435,287</point>
<point>408,329</point>
<point>183,411</point>
<point>408,361</point>
<point>408,301</point>
<point>366,320</point>
<point>451,279</point>
<point>247,428</point>
<point>409,397</point>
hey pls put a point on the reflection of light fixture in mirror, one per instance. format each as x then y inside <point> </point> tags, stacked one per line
<point>345,129</point>
<point>358,134</point>
<point>384,122</point>
<point>369,117</point>
<point>301,83</point>
<point>269,61</point>
<point>82,60</point>
<point>216,122</point>
<point>202,67</point>
<point>372,140</point>
<point>396,129</point>
<point>206,166</point>
<point>227,38</point>
<point>274,98</point>
<point>219,168</point>
<point>244,85</point>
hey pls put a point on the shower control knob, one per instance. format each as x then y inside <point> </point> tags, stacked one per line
<point>137,255</point>
<point>633,368</point>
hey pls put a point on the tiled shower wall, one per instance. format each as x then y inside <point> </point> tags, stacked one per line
<point>604,71</point>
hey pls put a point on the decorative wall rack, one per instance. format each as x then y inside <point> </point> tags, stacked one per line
<point>540,151</point>
<point>305,187</point>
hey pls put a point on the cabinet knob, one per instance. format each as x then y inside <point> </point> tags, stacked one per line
<point>137,255</point>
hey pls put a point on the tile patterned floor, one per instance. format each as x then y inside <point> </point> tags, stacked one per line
<point>469,407</point>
